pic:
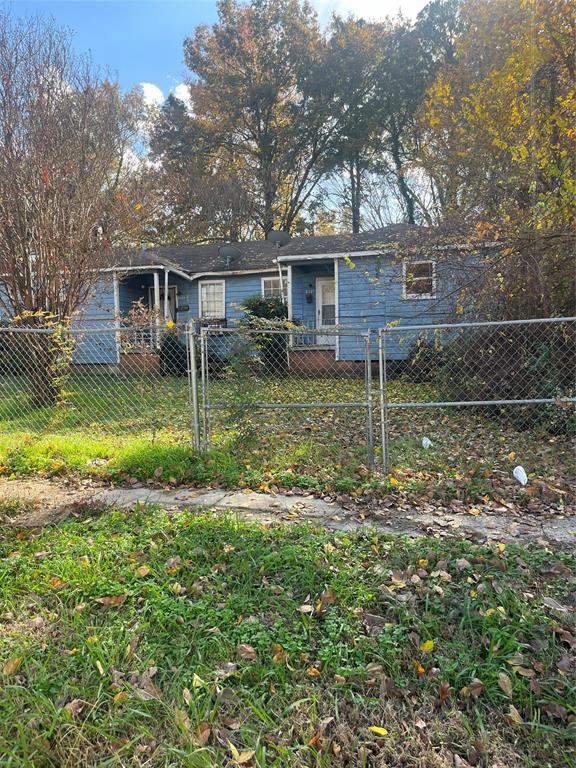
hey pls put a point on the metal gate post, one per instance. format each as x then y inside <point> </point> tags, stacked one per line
<point>193,385</point>
<point>369,414</point>
<point>383,398</point>
<point>204,374</point>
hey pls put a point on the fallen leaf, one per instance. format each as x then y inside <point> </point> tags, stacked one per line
<point>120,697</point>
<point>112,601</point>
<point>313,672</point>
<point>246,652</point>
<point>57,583</point>
<point>444,691</point>
<point>240,758</point>
<point>549,602</point>
<point>187,696</point>
<point>505,684</point>
<point>376,729</point>
<point>197,681</point>
<point>144,570</point>
<point>12,666</point>
<point>202,734</point>
<point>74,707</point>
<point>427,646</point>
<point>513,717</point>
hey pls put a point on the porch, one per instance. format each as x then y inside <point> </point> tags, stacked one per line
<point>312,304</point>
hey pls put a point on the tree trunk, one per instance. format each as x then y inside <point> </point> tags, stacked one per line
<point>47,363</point>
<point>402,185</point>
<point>354,173</point>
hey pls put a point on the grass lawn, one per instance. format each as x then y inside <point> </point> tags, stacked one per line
<point>139,427</point>
<point>142,639</point>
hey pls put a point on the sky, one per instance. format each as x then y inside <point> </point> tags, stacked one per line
<point>140,41</point>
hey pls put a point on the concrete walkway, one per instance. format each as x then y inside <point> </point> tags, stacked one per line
<point>49,501</point>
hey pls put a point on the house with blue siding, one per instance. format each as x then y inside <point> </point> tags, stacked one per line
<point>356,283</point>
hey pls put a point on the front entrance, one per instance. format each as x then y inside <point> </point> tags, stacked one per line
<point>171,301</point>
<point>325,310</point>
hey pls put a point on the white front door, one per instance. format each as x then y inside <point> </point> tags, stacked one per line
<point>325,309</point>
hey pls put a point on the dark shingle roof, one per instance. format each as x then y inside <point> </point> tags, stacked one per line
<point>261,254</point>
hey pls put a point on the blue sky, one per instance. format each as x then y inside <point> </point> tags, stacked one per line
<point>140,41</point>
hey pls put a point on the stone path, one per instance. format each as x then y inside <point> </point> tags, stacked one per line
<point>51,501</point>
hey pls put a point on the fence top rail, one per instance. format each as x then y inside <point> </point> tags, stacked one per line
<point>471,324</point>
<point>300,330</point>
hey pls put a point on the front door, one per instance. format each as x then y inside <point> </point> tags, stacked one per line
<point>325,309</point>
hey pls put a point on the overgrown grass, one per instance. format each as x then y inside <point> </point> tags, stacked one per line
<point>145,639</point>
<point>121,427</point>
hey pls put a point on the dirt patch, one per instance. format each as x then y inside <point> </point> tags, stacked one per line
<point>35,502</point>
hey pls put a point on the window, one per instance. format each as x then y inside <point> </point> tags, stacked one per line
<point>212,300</point>
<point>271,287</point>
<point>419,279</point>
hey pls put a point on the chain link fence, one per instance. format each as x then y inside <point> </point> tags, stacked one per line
<point>105,381</point>
<point>424,398</point>
<point>468,388</point>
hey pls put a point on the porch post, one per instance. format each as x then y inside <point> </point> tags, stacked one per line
<point>116,292</point>
<point>157,295</point>
<point>165,294</point>
<point>157,308</point>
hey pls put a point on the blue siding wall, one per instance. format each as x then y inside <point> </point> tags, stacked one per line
<point>98,348</point>
<point>370,296</point>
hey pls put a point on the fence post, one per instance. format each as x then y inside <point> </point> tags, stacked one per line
<point>204,374</point>
<point>369,414</point>
<point>193,383</point>
<point>383,409</point>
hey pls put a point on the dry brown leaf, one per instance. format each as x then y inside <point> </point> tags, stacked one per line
<point>74,707</point>
<point>505,684</point>
<point>144,570</point>
<point>112,601</point>
<point>202,734</point>
<point>12,666</point>
<point>246,652</point>
<point>120,697</point>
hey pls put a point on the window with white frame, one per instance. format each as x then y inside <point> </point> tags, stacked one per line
<point>212,305</point>
<point>271,287</point>
<point>419,279</point>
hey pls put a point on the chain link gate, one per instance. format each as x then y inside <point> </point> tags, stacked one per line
<point>282,386</point>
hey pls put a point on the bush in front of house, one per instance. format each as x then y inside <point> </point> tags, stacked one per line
<point>267,314</point>
<point>514,362</point>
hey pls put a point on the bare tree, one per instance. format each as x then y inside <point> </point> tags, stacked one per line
<point>66,199</point>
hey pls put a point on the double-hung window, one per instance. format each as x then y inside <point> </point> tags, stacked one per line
<point>212,300</point>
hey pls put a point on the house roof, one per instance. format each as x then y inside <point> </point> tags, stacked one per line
<point>261,254</point>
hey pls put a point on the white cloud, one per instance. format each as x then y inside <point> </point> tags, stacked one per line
<point>153,96</point>
<point>368,9</point>
<point>182,92</point>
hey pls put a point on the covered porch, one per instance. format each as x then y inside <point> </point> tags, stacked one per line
<point>312,303</point>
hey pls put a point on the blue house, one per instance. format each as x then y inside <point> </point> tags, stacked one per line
<point>355,283</point>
